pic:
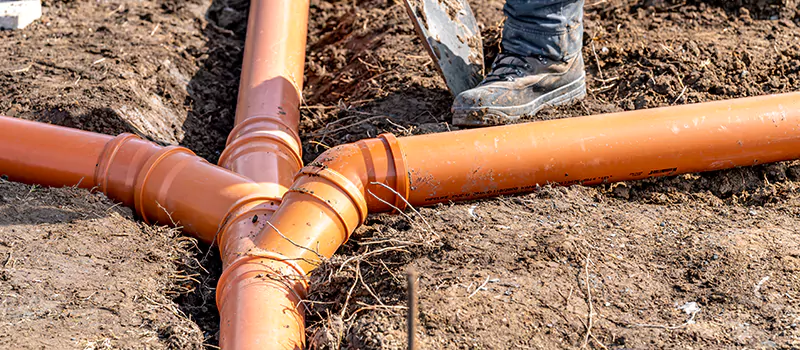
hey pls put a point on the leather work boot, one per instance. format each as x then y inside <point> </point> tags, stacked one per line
<point>520,86</point>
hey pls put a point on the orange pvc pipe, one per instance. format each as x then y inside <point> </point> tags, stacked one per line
<point>332,195</point>
<point>170,185</point>
<point>165,185</point>
<point>49,155</point>
<point>259,294</point>
<point>274,59</point>
<point>260,304</point>
<point>270,92</point>
<point>338,189</point>
<point>603,148</point>
<point>264,144</point>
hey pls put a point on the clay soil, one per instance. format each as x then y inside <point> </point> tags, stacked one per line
<point>695,261</point>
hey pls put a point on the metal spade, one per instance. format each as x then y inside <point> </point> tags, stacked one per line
<point>450,33</point>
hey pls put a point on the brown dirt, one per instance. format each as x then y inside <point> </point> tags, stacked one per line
<point>79,272</point>
<point>725,240</point>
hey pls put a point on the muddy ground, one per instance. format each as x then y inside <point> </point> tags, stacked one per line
<point>695,261</point>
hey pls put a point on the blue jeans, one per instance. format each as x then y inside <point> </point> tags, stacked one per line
<point>547,28</point>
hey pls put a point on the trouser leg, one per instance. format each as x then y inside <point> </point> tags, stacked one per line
<point>548,28</point>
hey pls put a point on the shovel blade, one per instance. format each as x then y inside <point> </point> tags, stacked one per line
<point>451,36</point>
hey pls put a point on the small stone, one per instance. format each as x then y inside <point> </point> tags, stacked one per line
<point>690,308</point>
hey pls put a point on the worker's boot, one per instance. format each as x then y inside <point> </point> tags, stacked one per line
<point>520,86</point>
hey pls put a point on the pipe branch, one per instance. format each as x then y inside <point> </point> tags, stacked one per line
<point>332,196</point>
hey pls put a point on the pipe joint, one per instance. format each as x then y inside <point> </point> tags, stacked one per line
<point>335,191</point>
<point>175,157</point>
<point>107,158</point>
<point>260,123</point>
<point>376,168</point>
<point>266,150</point>
<point>256,144</point>
<point>244,220</point>
<point>119,166</point>
<point>402,185</point>
<point>274,288</point>
<point>176,187</point>
<point>333,195</point>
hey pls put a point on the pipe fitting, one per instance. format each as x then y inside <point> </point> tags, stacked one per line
<point>176,187</point>
<point>333,190</point>
<point>376,170</point>
<point>259,123</point>
<point>244,220</point>
<point>119,165</point>
<point>268,157</point>
<point>401,176</point>
<point>159,167</point>
<point>332,196</point>
<point>263,141</point>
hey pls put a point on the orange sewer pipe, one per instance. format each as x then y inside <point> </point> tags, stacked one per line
<point>332,196</point>
<point>165,185</point>
<point>264,146</point>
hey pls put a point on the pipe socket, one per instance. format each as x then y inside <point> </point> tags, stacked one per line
<point>260,301</point>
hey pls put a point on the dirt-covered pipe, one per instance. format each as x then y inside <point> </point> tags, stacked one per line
<point>604,148</point>
<point>332,196</point>
<point>270,93</point>
<point>264,146</point>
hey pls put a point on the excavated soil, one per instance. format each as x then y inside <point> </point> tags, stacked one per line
<point>79,272</point>
<point>694,261</point>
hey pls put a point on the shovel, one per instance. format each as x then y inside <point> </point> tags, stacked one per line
<point>450,33</point>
